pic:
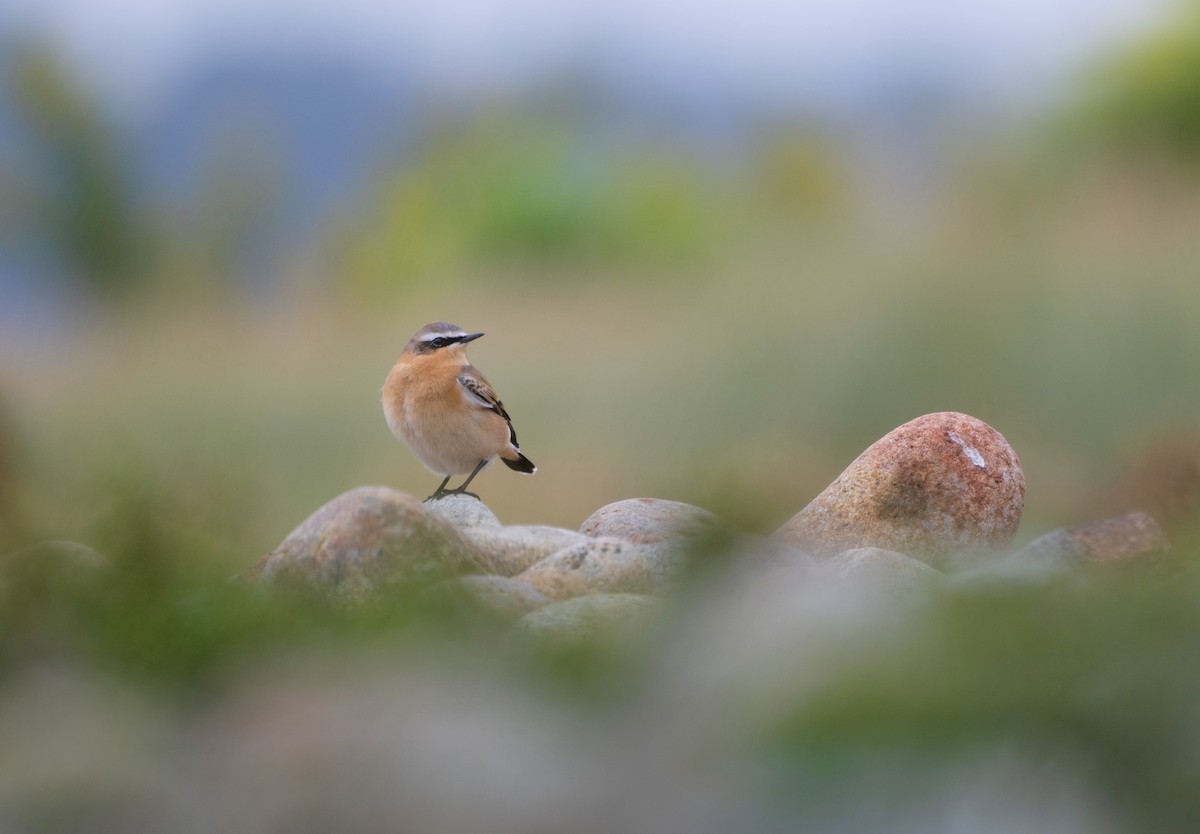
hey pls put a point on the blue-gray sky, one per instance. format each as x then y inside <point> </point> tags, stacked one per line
<point>132,50</point>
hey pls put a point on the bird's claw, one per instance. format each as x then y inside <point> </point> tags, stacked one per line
<point>438,496</point>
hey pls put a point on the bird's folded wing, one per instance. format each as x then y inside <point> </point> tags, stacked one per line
<point>480,391</point>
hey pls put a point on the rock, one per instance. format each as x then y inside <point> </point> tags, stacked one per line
<point>1110,540</point>
<point>465,512</point>
<point>1129,536</point>
<point>612,615</point>
<point>1067,552</point>
<point>58,552</point>
<point>652,520</point>
<point>884,569</point>
<point>508,597</point>
<point>607,566</point>
<point>509,550</point>
<point>364,540</point>
<point>51,566</point>
<point>941,485</point>
<point>1046,559</point>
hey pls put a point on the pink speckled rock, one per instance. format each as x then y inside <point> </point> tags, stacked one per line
<point>940,485</point>
<point>367,539</point>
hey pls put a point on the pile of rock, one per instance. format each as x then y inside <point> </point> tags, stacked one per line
<point>942,494</point>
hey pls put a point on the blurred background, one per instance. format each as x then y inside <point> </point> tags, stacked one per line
<point>718,249</point>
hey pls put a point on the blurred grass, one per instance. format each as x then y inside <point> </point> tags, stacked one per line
<point>1094,680</point>
<point>1145,99</point>
<point>515,190</point>
<point>732,341</point>
<point>1063,313</point>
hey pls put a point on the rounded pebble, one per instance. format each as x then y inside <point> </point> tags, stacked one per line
<point>509,550</point>
<point>510,598</point>
<point>610,615</point>
<point>652,520</point>
<point>606,566</point>
<point>464,511</point>
<point>885,569</point>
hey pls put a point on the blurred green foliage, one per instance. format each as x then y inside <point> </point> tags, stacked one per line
<point>77,188</point>
<point>509,191</point>
<point>1147,99</point>
<point>161,609</point>
<point>799,175</point>
<point>183,438</point>
<point>1095,677</point>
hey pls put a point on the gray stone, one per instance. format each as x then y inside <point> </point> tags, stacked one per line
<point>367,539</point>
<point>1067,552</point>
<point>1048,559</point>
<point>607,615</point>
<point>58,562</point>
<point>465,512</point>
<point>1133,535</point>
<point>884,569</point>
<point>938,486</point>
<point>509,550</point>
<point>652,520</point>
<point>607,566</point>
<point>510,598</point>
<point>58,551</point>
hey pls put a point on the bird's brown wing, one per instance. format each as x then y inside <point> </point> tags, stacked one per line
<point>480,391</point>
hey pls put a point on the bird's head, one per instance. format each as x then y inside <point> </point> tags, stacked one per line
<point>439,336</point>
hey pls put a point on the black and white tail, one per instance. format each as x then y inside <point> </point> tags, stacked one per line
<point>521,464</point>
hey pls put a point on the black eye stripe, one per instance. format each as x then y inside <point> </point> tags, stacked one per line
<point>439,342</point>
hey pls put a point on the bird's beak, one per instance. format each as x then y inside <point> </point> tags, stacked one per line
<point>469,338</point>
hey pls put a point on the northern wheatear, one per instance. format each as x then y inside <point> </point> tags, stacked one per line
<point>446,411</point>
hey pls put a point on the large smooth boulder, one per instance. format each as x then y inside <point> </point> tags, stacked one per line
<point>365,540</point>
<point>940,485</point>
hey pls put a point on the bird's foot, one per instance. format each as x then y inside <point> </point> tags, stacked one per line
<point>445,493</point>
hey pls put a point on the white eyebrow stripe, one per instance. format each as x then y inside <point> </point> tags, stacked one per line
<point>458,334</point>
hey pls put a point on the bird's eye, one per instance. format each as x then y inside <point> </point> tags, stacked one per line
<point>438,342</point>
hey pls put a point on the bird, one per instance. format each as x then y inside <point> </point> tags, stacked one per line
<point>446,411</point>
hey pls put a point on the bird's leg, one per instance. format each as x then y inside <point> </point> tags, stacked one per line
<point>439,492</point>
<point>462,490</point>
